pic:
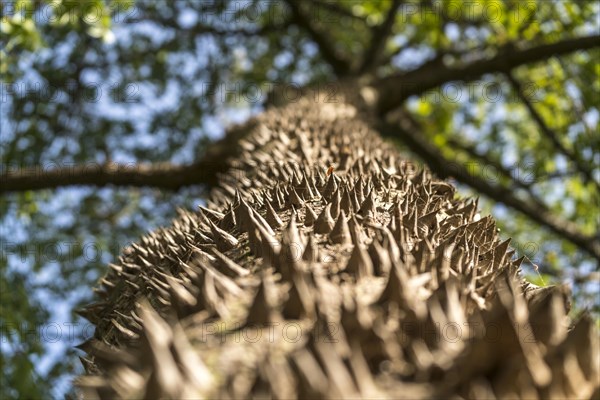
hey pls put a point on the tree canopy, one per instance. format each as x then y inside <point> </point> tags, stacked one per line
<point>112,114</point>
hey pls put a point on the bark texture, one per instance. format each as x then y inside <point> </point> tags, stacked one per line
<point>326,266</point>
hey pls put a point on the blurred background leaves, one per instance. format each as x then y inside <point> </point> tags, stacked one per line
<point>97,81</point>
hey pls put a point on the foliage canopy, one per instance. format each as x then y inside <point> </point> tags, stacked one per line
<point>86,83</point>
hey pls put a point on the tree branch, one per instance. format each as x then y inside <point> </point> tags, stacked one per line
<point>379,38</point>
<point>550,134</point>
<point>263,30</point>
<point>410,133</point>
<point>393,90</point>
<point>518,183</point>
<point>340,66</point>
<point>159,175</point>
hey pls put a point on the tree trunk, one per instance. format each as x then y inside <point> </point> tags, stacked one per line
<point>326,266</point>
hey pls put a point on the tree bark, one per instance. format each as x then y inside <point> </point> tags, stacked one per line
<point>325,266</point>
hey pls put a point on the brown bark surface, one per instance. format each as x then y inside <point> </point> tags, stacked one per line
<point>325,266</point>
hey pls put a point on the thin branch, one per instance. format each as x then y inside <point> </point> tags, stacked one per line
<point>424,8</point>
<point>525,185</point>
<point>263,30</point>
<point>577,106</point>
<point>337,9</point>
<point>550,134</point>
<point>518,183</point>
<point>379,38</point>
<point>410,133</point>
<point>202,29</point>
<point>387,59</point>
<point>340,66</point>
<point>393,90</point>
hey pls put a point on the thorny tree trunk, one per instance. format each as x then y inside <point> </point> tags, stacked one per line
<point>373,280</point>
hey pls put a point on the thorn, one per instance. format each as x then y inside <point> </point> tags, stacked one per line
<point>330,187</point>
<point>261,311</point>
<point>346,202</point>
<point>368,206</point>
<point>304,188</point>
<point>335,204</point>
<point>358,189</point>
<point>355,231</point>
<point>269,247</point>
<point>292,232</point>
<point>295,198</point>
<point>380,257</point>
<point>309,216</point>
<point>230,267</point>
<point>272,217</point>
<point>243,213</point>
<point>394,287</point>
<point>360,263</point>
<point>311,252</point>
<point>299,303</point>
<point>258,219</point>
<point>340,233</point>
<point>214,216</point>
<point>324,223</point>
<point>224,240</point>
<point>229,220</point>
